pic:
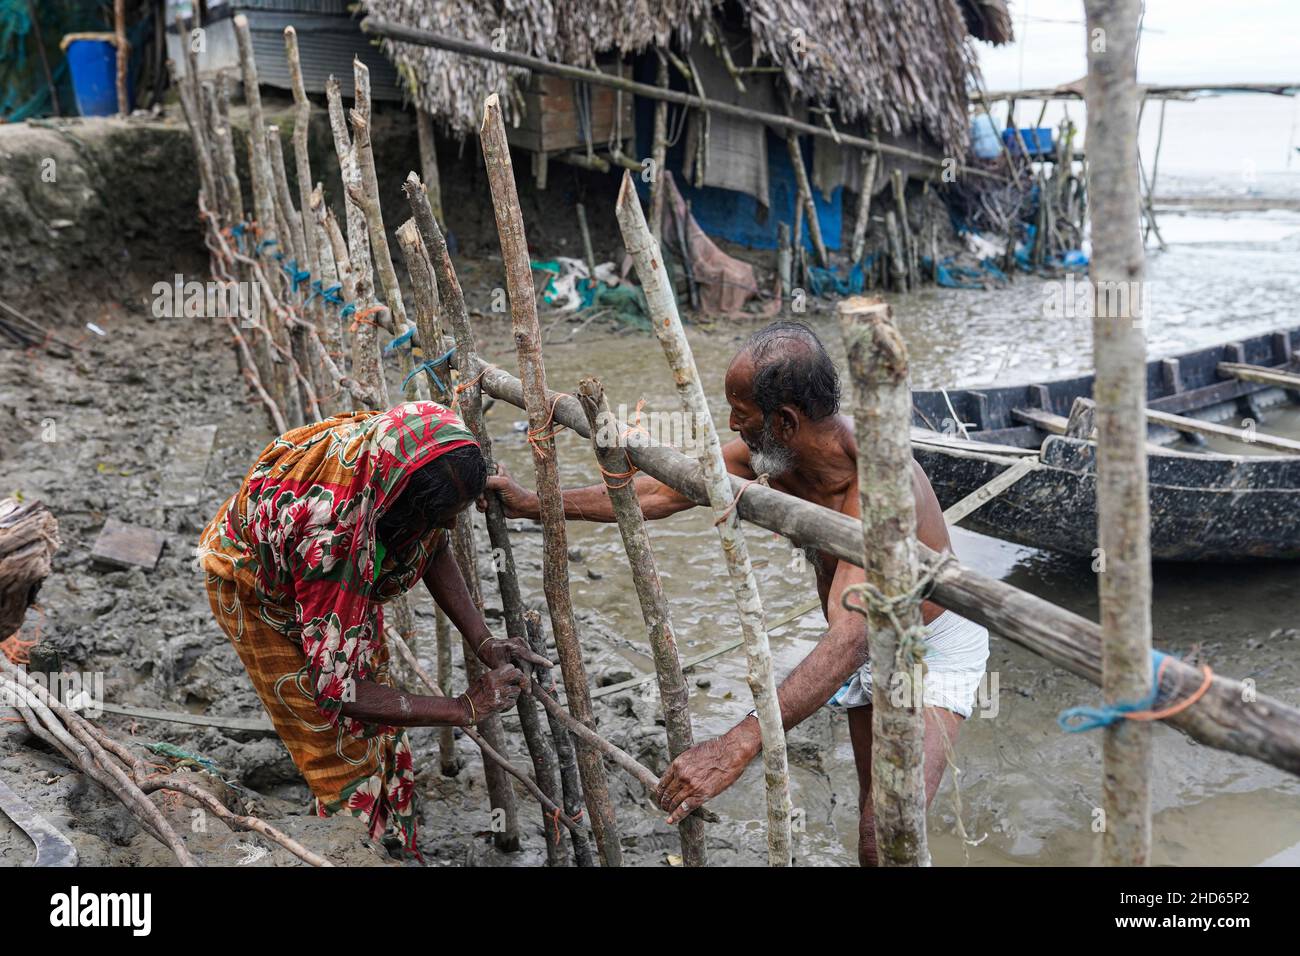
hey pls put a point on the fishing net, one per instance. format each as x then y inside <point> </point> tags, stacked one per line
<point>24,88</point>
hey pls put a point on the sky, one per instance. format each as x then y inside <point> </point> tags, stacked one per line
<point>1183,41</point>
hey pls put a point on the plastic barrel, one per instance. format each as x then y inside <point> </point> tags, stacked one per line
<point>93,64</point>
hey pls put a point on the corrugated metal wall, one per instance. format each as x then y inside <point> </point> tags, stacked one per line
<point>328,38</point>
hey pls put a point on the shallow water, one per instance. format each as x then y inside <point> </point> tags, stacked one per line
<point>1027,790</point>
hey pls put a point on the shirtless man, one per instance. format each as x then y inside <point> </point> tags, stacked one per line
<point>784,393</point>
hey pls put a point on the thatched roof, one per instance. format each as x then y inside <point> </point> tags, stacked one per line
<point>899,64</point>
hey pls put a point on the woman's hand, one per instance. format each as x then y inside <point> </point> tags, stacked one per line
<point>517,500</point>
<point>499,651</point>
<point>495,691</point>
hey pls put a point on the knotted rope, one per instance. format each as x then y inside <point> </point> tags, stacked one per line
<point>726,512</point>
<point>1078,719</point>
<point>911,639</point>
<point>548,429</point>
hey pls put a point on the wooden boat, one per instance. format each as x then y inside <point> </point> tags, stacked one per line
<point>1019,462</point>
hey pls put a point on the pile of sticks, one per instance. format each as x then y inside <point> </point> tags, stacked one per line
<point>1042,204</point>
<point>129,778</point>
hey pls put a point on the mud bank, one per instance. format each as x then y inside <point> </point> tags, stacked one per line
<point>91,437</point>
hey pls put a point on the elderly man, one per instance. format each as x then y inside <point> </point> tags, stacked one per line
<point>784,393</point>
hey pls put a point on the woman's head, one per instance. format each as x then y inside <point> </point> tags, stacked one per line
<point>434,494</point>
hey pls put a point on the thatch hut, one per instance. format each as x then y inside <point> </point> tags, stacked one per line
<point>897,71</point>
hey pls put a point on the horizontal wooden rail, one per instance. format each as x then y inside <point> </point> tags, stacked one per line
<point>1230,715</point>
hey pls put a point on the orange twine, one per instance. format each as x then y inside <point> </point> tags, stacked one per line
<point>555,819</point>
<point>362,316</point>
<point>761,479</point>
<point>18,651</point>
<point>473,381</point>
<point>541,434</point>
<point>1207,678</point>
<point>626,475</point>
<point>636,425</point>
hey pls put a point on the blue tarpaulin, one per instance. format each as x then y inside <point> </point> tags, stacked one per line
<point>738,217</point>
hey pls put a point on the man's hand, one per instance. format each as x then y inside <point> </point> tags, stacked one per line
<point>703,772</point>
<point>499,651</point>
<point>517,500</point>
<point>495,691</point>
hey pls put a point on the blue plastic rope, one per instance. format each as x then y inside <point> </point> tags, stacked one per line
<point>1090,718</point>
<point>266,242</point>
<point>401,340</point>
<point>329,295</point>
<point>431,367</point>
<point>296,276</point>
<point>347,310</point>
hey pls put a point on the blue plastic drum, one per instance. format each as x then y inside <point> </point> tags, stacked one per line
<point>93,64</point>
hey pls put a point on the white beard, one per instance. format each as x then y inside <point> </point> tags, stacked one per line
<point>772,460</point>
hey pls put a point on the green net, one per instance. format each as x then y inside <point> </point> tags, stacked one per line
<point>24,88</point>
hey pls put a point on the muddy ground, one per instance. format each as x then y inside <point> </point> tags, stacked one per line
<point>90,435</point>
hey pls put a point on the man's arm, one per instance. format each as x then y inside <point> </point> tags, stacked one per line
<point>707,769</point>
<point>592,502</point>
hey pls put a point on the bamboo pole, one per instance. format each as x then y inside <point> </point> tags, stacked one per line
<point>904,227</point>
<point>123,51</point>
<point>613,463</point>
<point>302,404</point>
<point>426,385</point>
<point>367,197</point>
<point>446,735</point>
<point>555,557</point>
<point>384,28</point>
<point>1119,349</point>
<point>228,169</point>
<point>1228,715</point>
<point>659,153</point>
<point>645,253</point>
<point>897,260</point>
<point>806,198</point>
<point>863,220</point>
<point>191,82</point>
<point>896,637</point>
<point>426,312</point>
<point>260,174</point>
<point>281,382</point>
<point>315,242</point>
<point>585,232</point>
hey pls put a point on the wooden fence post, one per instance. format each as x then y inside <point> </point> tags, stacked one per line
<point>645,253</point>
<point>882,419</point>
<point>555,551</point>
<point>1119,351</point>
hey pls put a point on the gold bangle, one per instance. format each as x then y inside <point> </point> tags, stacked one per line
<point>473,714</point>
